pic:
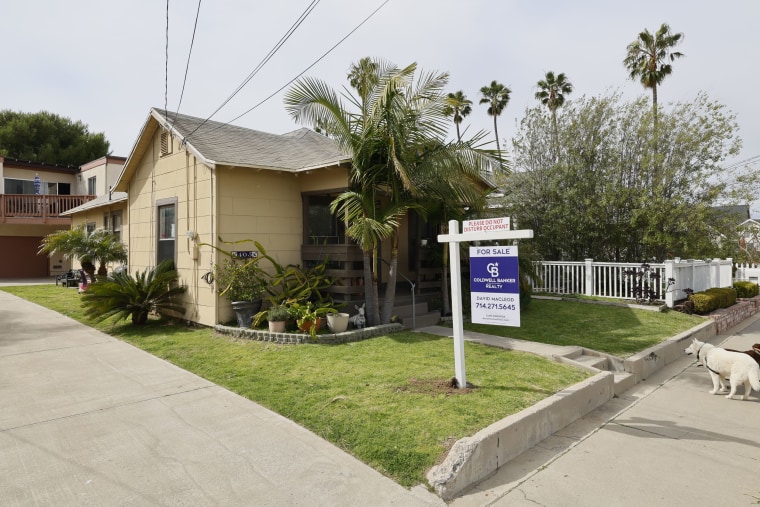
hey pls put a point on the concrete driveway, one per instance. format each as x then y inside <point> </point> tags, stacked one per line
<point>86,419</point>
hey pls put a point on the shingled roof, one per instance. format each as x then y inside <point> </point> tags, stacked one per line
<point>227,144</point>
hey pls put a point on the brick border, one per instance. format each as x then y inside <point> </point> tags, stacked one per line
<point>354,335</point>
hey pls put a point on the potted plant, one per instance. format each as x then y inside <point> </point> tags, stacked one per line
<point>243,284</point>
<point>277,316</point>
<point>309,316</point>
<point>337,322</point>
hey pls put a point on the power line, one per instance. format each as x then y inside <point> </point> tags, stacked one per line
<point>307,68</point>
<point>187,66</point>
<point>166,63</point>
<point>749,161</point>
<point>263,62</point>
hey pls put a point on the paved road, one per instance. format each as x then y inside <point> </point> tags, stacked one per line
<point>665,442</point>
<point>86,419</point>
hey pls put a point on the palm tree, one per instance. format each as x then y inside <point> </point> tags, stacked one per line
<point>396,143</point>
<point>458,106</point>
<point>552,91</point>
<point>649,58</point>
<point>100,246</point>
<point>496,95</point>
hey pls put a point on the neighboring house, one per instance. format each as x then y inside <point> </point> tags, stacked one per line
<point>749,237</point>
<point>34,197</point>
<point>194,186</point>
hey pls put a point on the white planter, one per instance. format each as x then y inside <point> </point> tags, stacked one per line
<point>337,322</point>
<point>277,326</point>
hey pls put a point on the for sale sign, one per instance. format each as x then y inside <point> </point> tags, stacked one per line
<point>494,285</point>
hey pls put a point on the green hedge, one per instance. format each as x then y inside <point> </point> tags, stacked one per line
<point>712,299</point>
<point>746,289</point>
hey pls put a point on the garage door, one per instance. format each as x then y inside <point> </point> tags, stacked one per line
<point>19,259</point>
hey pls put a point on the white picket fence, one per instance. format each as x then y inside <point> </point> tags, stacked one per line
<point>747,271</point>
<point>609,279</point>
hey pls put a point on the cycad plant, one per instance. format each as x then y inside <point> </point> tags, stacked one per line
<point>152,291</point>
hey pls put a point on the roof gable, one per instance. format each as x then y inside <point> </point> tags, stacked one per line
<point>216,143</point>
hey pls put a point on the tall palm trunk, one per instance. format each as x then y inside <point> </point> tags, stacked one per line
<point>369,295</point>
<point>390,289</point>
<point>496,133</point>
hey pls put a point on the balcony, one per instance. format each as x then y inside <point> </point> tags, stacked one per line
<point>39,209</point>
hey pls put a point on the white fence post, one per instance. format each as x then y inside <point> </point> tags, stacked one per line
<point>589,277</point>
<point>669,294</point>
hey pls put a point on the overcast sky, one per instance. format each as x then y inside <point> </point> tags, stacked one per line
<point>103,63</point>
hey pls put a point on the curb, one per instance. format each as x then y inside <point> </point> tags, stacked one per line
<point>474,458</point>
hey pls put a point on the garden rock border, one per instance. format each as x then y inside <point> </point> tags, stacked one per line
<point>353,335</point>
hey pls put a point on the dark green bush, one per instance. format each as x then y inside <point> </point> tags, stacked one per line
<point>712,299</point>
<point>703,303</point>
<point>746,289</point>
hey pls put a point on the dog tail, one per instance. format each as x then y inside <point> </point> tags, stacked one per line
<point>754,377</point>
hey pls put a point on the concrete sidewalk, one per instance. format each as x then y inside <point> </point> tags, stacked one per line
<point>86,419</point>
<point>665,442</point>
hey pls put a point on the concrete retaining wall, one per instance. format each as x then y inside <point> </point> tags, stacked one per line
<point>472,459</point>
<point>646,362</point>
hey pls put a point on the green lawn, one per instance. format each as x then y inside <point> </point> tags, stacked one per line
<point>616,330</point>
<point>384,400</point>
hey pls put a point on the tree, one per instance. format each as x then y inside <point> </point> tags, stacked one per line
<point>47,137</point>
<point>101,246</point>
<point>458,106</point>
<point>596,201</point>
<point>649,57</point>
<point>552,91</point>
<point>396,142</point>
<point>496,95</point>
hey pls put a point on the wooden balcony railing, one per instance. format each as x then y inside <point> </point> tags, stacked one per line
<point>38,207</point>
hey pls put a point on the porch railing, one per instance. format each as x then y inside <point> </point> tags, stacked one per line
<point>609,279</point>
<point>39,206</point>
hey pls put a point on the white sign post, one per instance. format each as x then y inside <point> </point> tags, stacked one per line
<point>453,238</point>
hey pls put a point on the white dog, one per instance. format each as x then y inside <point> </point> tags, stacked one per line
<point>739,368</point>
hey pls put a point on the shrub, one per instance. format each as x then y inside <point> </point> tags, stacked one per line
<point>240,280</point>
<point>154,291</point>
<point>712,299</point>
<point>746,289</point>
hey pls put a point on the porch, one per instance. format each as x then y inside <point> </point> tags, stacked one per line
<point>39,209</point>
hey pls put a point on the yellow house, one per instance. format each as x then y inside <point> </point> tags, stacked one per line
<point>189,182</point>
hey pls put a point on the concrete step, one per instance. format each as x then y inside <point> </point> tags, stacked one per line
<point>422,320</point>
<point>623,382</point>
<point>597,362</point>
<point>406,310</point>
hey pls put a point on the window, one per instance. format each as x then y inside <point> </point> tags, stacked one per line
<point>167,231</point>
<point>90,227</point>
<point>323,226</point>
<point>14,186</point>
<point>116,224</point>
<point>91,189</point>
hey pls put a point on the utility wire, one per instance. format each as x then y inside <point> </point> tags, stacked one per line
<point>263,62</point>
<point>307,68</point>
<point>749,161</point>
<point>187,66</point>
<point>166,64</point>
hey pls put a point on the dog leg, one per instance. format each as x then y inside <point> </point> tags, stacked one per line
<point>747,389</point>
<point>716,382</point>
<point>731,394</point>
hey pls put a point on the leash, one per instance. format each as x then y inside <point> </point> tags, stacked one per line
<point>704,363</point>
